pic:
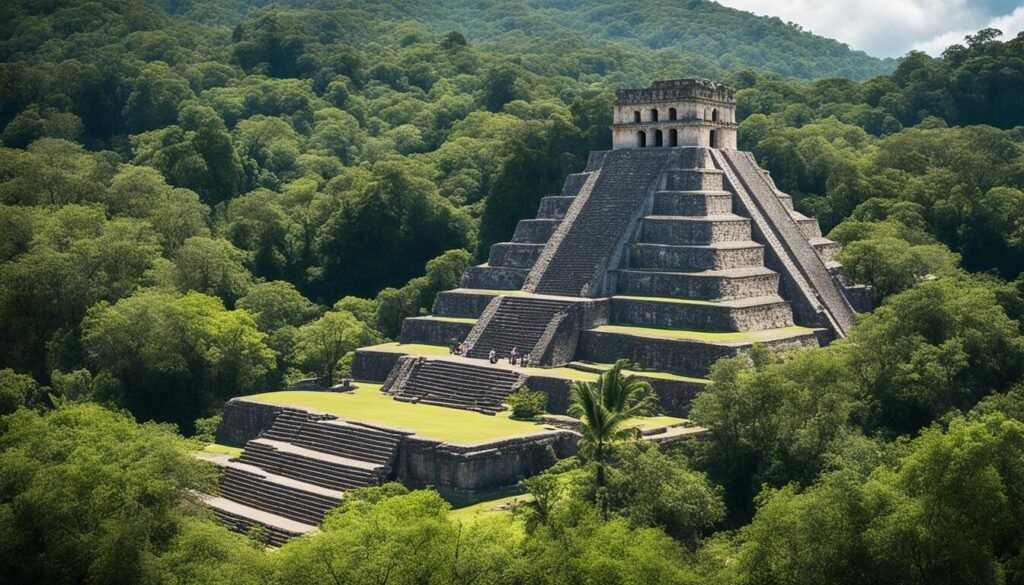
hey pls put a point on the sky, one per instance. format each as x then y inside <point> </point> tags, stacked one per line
<point>891,28</point>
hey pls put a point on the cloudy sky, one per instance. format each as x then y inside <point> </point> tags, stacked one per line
<point>890,28</point>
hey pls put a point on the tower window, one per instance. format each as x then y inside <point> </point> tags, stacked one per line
<point>714,115</point>
<point>636,116</point>
<point>641,138</point>
<point>671,113</point>
<point>673,137</point>
<point>654,115</point>
<point>657,138</point>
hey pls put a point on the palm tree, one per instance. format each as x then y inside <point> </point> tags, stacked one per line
<point>604,407</point>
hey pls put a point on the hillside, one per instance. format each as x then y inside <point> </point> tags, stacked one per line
<point>723,37</point>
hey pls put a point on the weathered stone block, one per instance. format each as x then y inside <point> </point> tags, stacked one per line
<point>494,277</point>
<point>374,366</point>
<point>554,207</point>
<point>705,286</point>
<point>769,314</point>
<point>680,231</point>
<point>692,203</point>
<point>461,303</point>
<point>514,254</point>
<point>664,257</point>
<point>534,231</point>
<point>466,469</point>
<point>433,331</point>
<point>698,179</point>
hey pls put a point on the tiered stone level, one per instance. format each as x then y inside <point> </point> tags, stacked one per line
<point>452,383</point>
<point>670,257</point>
<point>298,470</point>
<point>672,250</point>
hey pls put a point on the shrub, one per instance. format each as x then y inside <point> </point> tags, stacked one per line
<point>526,403</point>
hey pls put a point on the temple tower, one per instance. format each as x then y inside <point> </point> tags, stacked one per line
<point>679,112</point>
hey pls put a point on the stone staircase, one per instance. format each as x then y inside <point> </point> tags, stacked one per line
<point>578,253</point>
<point>288,478</point>
<point>793,238</point>
<point>454,383</point>
<point>514,322</point>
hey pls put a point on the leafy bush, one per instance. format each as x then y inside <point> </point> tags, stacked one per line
<point>526,403</point>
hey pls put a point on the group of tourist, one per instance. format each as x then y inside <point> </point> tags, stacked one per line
<point>514,357</point>
<point>457,348</point>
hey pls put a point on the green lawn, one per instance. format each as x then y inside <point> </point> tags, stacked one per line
<point>486,508</point>
<point>410,348</point>
<point>450,319</point>
<point>368,404</point>
<point>215,448</point>
<point>645,373</point>
<point>709,336</point>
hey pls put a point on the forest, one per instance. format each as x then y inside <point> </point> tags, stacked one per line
<point>201,199</point>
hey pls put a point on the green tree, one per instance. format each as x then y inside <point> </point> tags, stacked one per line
<point>16,390</point>
<point>212,266</point>
<point>89,495</point>
<point>604,408</point>
<point>174,358</point>
<point>321,344</point>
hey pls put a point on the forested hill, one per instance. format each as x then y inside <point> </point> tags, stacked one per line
<point>721,37</point>
<point>171,182</point>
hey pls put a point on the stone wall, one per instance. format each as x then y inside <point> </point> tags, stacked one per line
<point>462,469</point>
<point>374,366</point>
<point>706,317</point>
<point>669,355</point>
<point>460,303</point>
<point>433,331</point>
<point>244,420</point>
<point>480,468</point>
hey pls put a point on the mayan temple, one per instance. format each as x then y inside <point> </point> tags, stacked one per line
<point>671,250</point>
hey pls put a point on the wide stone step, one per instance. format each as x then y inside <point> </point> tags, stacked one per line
<point>514,255</point>
<point>554,207</point>
<point>494,277</point>
<point>695,258</point>
<point>335,437</point>
<point>710,285</point>
<point>535,231</point>
<point>299,501</point>
<point>241,518</point>
<point>680,230</point>
<point>754,314</point>
<point>458,385</point>
<point>682,352</point>
<point>314,470</point>
<point>692,203</point>
<point>694,180</point>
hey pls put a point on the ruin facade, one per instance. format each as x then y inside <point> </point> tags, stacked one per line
<point>672,250</point>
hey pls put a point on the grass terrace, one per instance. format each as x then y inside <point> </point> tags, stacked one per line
<point>470,514</point>
<point>215,448</point>
<point>369,405</point>
<point>410,348</point>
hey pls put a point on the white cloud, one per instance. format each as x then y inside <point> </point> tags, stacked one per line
<point>1010,24</point>
<point>890,28</point>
